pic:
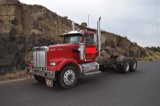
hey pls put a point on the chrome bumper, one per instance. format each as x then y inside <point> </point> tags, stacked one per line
<point>43,73</point>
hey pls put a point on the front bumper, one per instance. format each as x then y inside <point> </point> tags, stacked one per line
<point>44,73</point>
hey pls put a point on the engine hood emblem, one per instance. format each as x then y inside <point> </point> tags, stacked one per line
<point>52,49</point>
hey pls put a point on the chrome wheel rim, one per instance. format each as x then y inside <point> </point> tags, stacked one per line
<point>127,66</point>
<point>69,77</point>
<point>134,65</point>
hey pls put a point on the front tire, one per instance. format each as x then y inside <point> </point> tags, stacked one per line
<point>40,79</point>
<point>68,77</point>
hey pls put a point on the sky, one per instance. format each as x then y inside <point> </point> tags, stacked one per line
<point>139,20</point>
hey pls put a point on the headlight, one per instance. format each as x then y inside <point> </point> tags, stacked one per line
<point>52,63</point>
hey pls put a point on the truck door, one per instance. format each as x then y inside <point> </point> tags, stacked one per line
<point>90,48</point>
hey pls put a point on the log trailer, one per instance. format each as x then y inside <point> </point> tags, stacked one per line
<point>77,56</point>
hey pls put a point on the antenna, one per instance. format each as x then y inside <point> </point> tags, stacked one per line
<point>88,21</point>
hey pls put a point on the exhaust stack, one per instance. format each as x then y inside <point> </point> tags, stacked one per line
<point>99,36</point>
<point>73,26</point>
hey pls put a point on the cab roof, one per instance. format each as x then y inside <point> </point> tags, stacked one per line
<point>80,32</point>
<point>73,32</point>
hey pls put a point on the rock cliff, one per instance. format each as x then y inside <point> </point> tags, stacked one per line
<point>24,26</point>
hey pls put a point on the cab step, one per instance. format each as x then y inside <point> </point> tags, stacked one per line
<point>90,73</point>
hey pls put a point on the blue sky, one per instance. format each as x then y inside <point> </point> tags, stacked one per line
<point>139,20</point>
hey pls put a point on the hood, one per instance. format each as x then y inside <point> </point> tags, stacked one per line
<point>63,46</point>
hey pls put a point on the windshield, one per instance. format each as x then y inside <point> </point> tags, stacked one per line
<point>76,38</point>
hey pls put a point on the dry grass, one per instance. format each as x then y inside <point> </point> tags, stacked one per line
<point>157,55</point>
<point>139,59</point>
<point>150,58</point>
<point>9,76</point>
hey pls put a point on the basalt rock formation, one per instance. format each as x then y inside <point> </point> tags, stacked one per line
<point>24,26</point>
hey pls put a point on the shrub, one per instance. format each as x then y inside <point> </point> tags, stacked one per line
<point>84,24</point>
<point>135,43</point>
<point>149,58</point>
<point>66,17</point>
<point>125,37</point>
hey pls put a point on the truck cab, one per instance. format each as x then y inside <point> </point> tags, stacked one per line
<point>86,38</point>
<point>66,62</point>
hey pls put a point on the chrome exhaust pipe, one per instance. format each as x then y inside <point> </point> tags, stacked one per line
<point>73,26</point>
<point>99,36</point>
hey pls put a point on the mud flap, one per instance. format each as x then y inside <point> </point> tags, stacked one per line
<point>49,82</point>
<point>29,72</point>
<point>29,76</point>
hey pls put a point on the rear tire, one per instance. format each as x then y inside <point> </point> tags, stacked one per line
<point>40,79</point>
<point>124,68</point>
<point>68,77</point>
<point>133,65</point>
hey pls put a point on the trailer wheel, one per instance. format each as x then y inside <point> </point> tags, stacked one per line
<point>68,77</point>
<point>124,68</point>
<point>133,65</point>
<point>40,79</point>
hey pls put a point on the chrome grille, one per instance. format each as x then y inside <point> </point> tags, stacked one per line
<point>39,57</point>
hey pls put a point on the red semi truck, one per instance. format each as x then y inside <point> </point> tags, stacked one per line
<point>77,56</point>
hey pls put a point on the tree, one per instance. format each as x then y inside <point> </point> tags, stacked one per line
<point>66,17</point>
<point>154,49</point>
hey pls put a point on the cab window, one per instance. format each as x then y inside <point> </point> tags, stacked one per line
<point>89,39</point>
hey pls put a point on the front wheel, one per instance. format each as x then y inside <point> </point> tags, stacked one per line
<point>39,79</point>
<point>68,77</point>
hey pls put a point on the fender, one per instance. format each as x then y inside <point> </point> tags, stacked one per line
<point>61,62</point>
<point>121,59</point>
<point>67,61</point>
